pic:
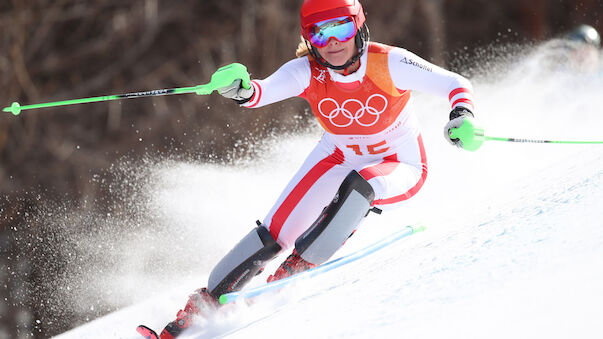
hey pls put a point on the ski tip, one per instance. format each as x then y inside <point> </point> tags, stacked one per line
<point>146,332</point>
<point>418,228</point>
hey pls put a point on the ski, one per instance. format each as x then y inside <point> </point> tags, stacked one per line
<point>276,285</point>
<point>146,332</point>
<point>228,298</point>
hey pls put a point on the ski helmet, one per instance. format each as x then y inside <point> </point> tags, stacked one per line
<point>314,11</point>
<point>586,34</point>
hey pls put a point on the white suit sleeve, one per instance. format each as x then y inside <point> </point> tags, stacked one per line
<point>410,72</point>
<point>291,80</point>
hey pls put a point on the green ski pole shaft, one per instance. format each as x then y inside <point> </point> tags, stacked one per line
<point>223,77</point>
<point>15,108</point>
<point>540,141</point>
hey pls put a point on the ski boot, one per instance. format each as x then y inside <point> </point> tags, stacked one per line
<point>292,265</point>
<point>201,303</point>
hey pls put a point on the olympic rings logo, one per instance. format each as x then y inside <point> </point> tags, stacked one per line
<point>365,114</point>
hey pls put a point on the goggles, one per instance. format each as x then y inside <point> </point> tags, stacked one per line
<point>342,29</point>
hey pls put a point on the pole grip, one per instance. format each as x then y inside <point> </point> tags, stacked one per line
<point>225,76</point>
<point>470,135</point>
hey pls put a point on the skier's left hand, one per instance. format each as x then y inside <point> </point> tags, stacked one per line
<point>458,117</point>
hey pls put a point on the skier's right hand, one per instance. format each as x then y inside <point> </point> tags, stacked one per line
<point>237,92</point>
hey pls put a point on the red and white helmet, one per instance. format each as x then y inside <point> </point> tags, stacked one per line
<point>314,11</point>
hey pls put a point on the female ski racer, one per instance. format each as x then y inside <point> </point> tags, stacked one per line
<point>370,158</point>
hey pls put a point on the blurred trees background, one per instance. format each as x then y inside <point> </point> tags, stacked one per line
<point>63,49</point>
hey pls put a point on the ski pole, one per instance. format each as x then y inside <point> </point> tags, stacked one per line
<point>540,141</point>
<point>223,77</point>
<point>472,137</point>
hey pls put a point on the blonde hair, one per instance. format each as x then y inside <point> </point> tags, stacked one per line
<point>302,48</point>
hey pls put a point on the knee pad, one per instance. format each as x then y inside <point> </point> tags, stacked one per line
<point>243,262</point>
<point>337,221</point>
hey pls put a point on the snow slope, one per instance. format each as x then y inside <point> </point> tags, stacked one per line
<point>513,249</point>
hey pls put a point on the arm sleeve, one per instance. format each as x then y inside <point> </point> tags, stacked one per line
<point>290,80</point>
<point>410,72</point>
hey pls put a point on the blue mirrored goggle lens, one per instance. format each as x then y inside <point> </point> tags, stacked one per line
<point>342,29</point>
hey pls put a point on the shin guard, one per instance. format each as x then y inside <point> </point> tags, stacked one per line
<point>243,262</point>
<point>337,221</point>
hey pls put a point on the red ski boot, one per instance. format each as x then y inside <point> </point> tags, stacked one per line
<point>292,265</point>
<point>201,303</point>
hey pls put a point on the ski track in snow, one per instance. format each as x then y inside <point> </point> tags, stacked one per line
<point>513,247</point>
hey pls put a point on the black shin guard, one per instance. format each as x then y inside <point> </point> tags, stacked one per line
<point>243,262</point>
<point>337,221</point>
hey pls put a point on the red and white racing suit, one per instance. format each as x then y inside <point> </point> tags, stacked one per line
<point>369,124</point>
